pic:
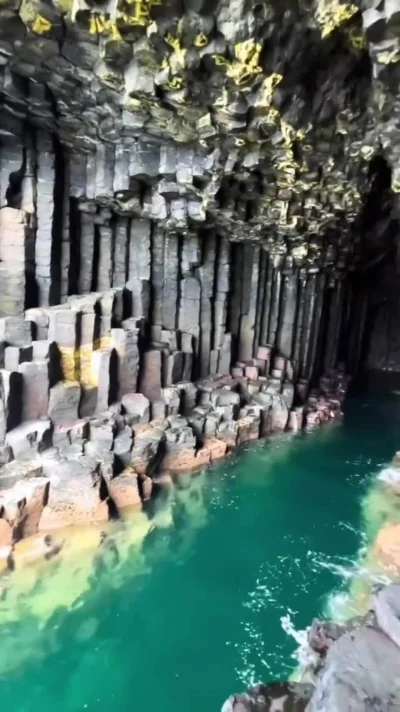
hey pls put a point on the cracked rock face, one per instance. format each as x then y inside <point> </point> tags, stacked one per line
<point>257,118</point>
<point>193,197</point>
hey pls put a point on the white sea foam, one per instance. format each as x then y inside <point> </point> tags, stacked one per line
<point>304,656</point>
<point>390,475</point>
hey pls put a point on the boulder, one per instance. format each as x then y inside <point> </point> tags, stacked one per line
<point>387,610</point>
<point>136,408</point>
<point>361,674</point>
<point>147,448</point>
<point>64,402</point>
<point>23,504</point>
<point>215,447</point>
<point>123,445</point>
<point>185,460</point>
<point>77,495</point>
<point>15,471</point>
<point>124,490</point>
<point>248,428</point>
<point>227,432</point>
<point>279,413</point>
<point>29,438</point>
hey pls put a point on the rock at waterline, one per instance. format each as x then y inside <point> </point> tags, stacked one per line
<point>274,697</point>
<point>361,672</point>
<point>361,675</point>
<point>387,547</point>
<point>358,669</point>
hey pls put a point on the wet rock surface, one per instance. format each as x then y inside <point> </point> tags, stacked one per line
<point>191,201</point>
<point>357,670</point>
<point>276,696</point>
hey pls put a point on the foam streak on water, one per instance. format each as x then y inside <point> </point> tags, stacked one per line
<point>215,593</point>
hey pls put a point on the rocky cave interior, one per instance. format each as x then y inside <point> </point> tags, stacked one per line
<point>199,240</point>
<point>190,193</point>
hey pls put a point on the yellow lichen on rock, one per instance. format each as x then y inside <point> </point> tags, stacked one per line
<point>331,14</point>
<point>176,60</point>
<point>138,12</point>
<point>267,89</point>
<point>246,64</point>
<point>65,6</point>
<point>101,24</point>
<point>388,57</point>
<point>41,25</point>
<point>200,40</point>
<point>356,39</point>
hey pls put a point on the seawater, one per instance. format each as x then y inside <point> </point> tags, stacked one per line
<point>213,592</point>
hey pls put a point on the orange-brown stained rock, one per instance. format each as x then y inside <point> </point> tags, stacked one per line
<point>185,460</point>
<point>229,438</point>
<point>188,459</point>
<point>387,547</point>
<point>247,430</point>
<point>216,447</point>
<point>124,490</point>
<point>36,499</point>
<point>23,505</point>
<point>66,513</point>
<point>5,534</point>
<point>74,498</point>
<point>146,486</point>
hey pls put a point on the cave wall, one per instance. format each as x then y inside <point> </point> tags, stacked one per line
<point>194,189</point>
<point>382,340</point>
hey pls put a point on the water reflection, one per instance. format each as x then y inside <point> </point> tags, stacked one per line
<point>39,598</point>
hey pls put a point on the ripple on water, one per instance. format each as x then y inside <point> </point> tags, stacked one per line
<point>213,594</point>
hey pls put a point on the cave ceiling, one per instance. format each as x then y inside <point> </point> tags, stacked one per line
<point>259,119</point>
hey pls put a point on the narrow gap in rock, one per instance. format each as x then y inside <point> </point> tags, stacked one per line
<point>57,226</point>
<point>75,247</point>
<point>96,258</point>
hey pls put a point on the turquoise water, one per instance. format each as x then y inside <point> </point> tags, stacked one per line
<point>193,612</point>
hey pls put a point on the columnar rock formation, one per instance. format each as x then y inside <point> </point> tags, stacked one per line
<point>189,194</point>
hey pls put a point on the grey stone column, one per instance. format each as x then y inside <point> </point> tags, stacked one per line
<point>170,282</point>
<point>87,250</point>
<point>65,238</point>
<point>206,272</point>
<point>44,215</point>
<point>249,301</point>
<point>120,252</point>
<point>287,316</point>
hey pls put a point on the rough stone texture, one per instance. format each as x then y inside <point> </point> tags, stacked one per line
<point>74,496</point>
<point>15,471</point>
<point>64,402</point>
<point>387,547</point>
<point>22,506</point>
<point>124,490</point>
<point>191,201</point>
<point>356,671</point>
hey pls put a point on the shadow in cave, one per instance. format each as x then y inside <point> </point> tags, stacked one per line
<point>370,339</point>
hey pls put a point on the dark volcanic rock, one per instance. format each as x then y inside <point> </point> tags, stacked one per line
<point>198,210</point>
